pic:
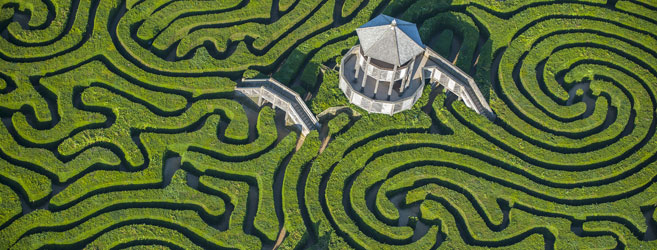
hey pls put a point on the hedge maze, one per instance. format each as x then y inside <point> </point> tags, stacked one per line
<point>120,128</point>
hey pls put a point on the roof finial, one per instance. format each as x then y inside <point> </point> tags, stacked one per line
<point>394,22</point>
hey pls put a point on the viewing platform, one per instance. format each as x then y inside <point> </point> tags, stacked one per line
<point>280,96</point>
<point>372,94</point>
<point>387,71</point>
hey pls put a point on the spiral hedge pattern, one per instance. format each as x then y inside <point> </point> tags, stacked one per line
<point>120,128</point>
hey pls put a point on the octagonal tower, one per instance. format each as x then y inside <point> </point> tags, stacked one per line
<point>387,71</point>
<point>378,73</point>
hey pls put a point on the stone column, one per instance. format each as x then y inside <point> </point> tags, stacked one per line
<point>260,101</point>
<point>403,83</point>
<point>409,76</point>
<point>367,65</point>
<point>376,87</point>
<point>357,65</point>
<point>392,81</point>
<point>405,80</point>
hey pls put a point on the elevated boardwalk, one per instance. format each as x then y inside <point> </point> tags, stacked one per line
<point>429,66</point>
<point>280,96</point>
<point>440,71</point>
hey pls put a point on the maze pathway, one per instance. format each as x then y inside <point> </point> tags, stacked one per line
<point>120,128</point>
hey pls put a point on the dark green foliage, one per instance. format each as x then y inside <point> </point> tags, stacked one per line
<point>119,128</point>
<point>10,204</point>
<point>338,123</point>
<point>297,233</point>
<point>329,95</point>
<point>443,42</point>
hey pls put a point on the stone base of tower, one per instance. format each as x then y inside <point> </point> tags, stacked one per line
<point>374,95</point>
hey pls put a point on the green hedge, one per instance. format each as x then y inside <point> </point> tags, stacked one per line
<point>35,186</point>
<point>71,118</point>
<point>263,34</point>
<point>38,16</point>
<point>349,6</point>
<point>127,113</point>
<point>378,169</point>
<point>167,15</point>
<point>30,37</point>
<point>159,145</point>
<point>186,221</point>
<point>570,185</point>
<point>173,193</point>
<point>284,5</point>
<point>141,232</point>
<point>241,58</point>
<point>83,102</point>
<point>44,162</point>
<point>237,193</point>
<point>338,123</point>
<point>463,26</point>
<point>528,76</point>
<point>329,94</point>
<point>10,204</point>
<point>642,106</point>
<point>297,231</point>
<point>443,43</point>
<point>259,171</point>
<point>312,70</point>
<point>369,126</point>
<point>96,213</point>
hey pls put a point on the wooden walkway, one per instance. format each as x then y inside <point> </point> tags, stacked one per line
<point>280,96</point>
<point>458,82</point>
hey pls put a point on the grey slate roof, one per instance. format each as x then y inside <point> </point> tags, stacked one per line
<point>390,40</point>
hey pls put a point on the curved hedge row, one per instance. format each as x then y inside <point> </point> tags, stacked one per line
<point>555,160</point>
<point>237,193</point>
<point>119,128</point>
<point>130,234</point>
<point>259,171</point>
